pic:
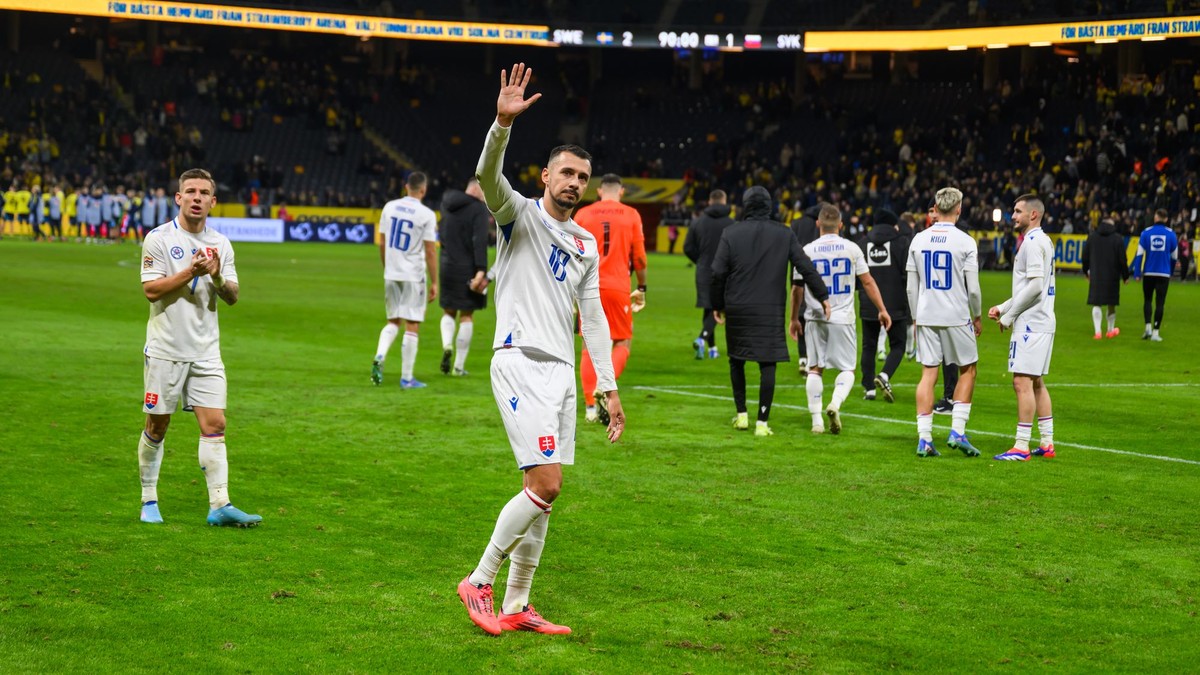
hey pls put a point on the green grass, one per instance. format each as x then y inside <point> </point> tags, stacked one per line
<point>686,547</point>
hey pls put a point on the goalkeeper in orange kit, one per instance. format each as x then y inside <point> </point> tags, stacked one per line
<point>618,232</point>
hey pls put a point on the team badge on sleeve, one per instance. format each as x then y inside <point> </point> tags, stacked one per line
<point>147,262</point>
<point>545,445</point>
<point>152,400</point>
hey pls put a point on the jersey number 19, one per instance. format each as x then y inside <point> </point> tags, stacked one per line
<point>939,262</point>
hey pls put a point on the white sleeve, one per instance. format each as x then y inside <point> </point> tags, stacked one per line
<point>589,284</point>
<point>910,265</point>
<point>501,200</point>
<point>228,266</point>
<point>598,340</point>
<point>974,293</point>
<point>914,281</point>
<point>970,255</point>
<point>154,258</point>
<point>1026,298</point>
<point>384,218</point>
<point>859,261</point>
<point>431,231</point>
<point>1035,264</point>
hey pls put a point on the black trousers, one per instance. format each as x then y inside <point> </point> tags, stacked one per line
<point>897,335</point>
<point>766,386</point>
<point>708,328</point>
<point>949,380</point>
<point>1154,288</point>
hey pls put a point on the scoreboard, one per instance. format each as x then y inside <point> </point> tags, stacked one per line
<point>644,38</point>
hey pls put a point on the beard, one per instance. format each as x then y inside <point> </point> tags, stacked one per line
<point>566,201</point>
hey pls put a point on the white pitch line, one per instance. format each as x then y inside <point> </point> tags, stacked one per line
<point>1006,385</point>
<point>693,394</point>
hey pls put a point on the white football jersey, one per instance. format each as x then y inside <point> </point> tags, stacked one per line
<point>941,256</point>
<point>543,267</point>
<point>405,224</point>
<point>1034,264</point>
<point>183,324</point>
<point>839,261</point>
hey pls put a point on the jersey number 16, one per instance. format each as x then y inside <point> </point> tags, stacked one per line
<point>400,236</point>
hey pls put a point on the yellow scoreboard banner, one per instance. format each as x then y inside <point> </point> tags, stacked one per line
<point>1068,250</point>
<point>285,19</point>
<point>998,37</point>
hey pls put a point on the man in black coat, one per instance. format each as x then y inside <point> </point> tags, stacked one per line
<point>749,291</point>
<point>463,263</point>
<point>700,247</point>
<point>806,231</point>
<point>886,251</point>
<point>1105,267</point>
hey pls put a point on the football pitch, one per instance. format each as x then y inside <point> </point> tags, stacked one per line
<point>685,547</point>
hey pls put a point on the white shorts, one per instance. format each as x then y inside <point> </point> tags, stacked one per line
<point>831,345</point>
<point>946,344</point>
<point>405,300</point>
<point>536,398</point>
<point>168,383</point>
<point>1029,353</point>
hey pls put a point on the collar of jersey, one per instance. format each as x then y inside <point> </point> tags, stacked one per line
<point>175,222</point>
<point>545,215</point>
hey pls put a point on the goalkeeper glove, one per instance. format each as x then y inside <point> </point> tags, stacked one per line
<point>638,299</point>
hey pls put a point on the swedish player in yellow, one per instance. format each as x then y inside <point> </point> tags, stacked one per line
<point>186,268</point>
<point>546,266</point>
<point>10,209</point>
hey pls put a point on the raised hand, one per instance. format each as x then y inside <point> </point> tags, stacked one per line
<point>512,101</point>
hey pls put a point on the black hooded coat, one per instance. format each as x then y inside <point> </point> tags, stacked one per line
<point>463,233</point>
<point>1105,264</point>
<point>750,281</point>
<point>701,245</point>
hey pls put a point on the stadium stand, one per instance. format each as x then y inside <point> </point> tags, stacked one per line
<point>338,130</point>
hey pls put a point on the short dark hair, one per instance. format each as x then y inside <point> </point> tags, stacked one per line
<point>1161,214</point>
<point>610,179</point>
<point>1035,202</point>
<point>717,196</point>
<point>197,173</point>
<point>829,215</point>
<point>416,181</point>
<point>569,148</point>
